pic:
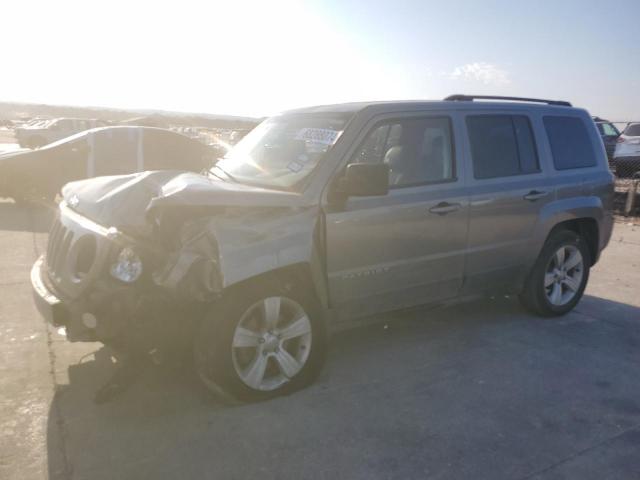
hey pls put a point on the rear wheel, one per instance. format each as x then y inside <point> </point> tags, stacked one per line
<point>261,342</point>
<point>558,278</point>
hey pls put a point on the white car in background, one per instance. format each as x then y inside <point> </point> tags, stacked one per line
<point>626,158</point>
<point>47,131</point>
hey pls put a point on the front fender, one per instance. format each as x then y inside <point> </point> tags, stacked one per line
<point>221,251</point>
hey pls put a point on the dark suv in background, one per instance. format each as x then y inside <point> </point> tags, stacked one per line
<point>609,134</point>
<point>324,214</point>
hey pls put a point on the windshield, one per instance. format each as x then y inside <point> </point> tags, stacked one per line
<point>282,150</point>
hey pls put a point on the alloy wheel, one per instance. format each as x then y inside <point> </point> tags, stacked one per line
<point>563,277</point>
<point>271,343</point>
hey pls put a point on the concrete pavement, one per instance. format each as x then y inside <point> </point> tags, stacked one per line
<point>482,390</point>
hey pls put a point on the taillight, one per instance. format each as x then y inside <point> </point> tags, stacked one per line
<point>620,140</point>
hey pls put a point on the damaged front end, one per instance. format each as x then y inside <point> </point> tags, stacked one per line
<point>191,271</point>
<point>134,261</point>
<point>88,283</point>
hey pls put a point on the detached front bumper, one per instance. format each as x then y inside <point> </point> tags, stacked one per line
<point>118,315</point>
<point>56,311</point>
<point>47,303</point>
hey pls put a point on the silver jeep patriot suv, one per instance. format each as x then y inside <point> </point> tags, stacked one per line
<point>324,214</point>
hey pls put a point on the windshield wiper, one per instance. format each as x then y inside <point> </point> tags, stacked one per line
<point>231,177</point>
<point>207,171</point>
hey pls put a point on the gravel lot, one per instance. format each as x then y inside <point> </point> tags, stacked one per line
<point>482,391</point>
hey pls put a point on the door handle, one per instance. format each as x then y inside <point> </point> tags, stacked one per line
<point>534,195</point>
<point>444,207</point>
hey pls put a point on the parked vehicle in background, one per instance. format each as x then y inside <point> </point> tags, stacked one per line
<point>626,159</point>
<point>32,175</point>
<point>237,135</point>
<point>609,134</point>
<point>324,214</point>
<point>44,132</point>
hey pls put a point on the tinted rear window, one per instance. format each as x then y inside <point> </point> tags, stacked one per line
<point>501,145</point>
<point>633,130</point>
<point>608,129</point>
<point>570,143</point>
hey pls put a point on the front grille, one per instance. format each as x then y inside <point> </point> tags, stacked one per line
<point>77,251</point>
<point>59,241</point>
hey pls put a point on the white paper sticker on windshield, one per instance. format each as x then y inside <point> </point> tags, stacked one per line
<point>295,167</point>
<point>324,136</point>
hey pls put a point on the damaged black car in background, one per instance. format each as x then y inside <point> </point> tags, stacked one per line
<point>34,176</point>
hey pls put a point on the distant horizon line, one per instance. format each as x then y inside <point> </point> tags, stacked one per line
<point>131,110</point>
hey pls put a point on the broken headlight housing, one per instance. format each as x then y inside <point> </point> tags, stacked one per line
<point>127,266</point>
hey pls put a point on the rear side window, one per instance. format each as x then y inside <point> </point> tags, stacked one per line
<point>570,143</point>
<point>608,130</point>
<point>633,130</point>
<point>501,146</point>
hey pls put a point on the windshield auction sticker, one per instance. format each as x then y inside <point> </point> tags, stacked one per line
<point>324,136</point>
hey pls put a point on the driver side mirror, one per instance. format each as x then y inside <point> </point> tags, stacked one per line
<point>365,180</point>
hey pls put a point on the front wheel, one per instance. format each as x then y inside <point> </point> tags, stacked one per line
<point>559,276</point>
<point>261,342</point>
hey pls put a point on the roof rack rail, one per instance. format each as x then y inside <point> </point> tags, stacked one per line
<point>471,98</point>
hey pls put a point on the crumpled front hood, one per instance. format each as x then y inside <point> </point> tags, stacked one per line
<point>126,201</point>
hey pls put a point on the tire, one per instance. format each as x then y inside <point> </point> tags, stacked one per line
<point>233,342</point>
<point>556,282</point>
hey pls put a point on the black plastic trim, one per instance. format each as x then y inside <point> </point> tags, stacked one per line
<point>471,98</point>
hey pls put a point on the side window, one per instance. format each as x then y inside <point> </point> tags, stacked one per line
<point>608,130</point>
<point>501,146</point>
<point>570,143</point>
<point>418,151</point>
<point>171,151</point>
<point>115,151</point>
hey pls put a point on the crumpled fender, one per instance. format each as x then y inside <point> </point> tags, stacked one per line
<point>220,251</point>
<point>193,270</point>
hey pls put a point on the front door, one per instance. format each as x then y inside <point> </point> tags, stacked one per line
<point>407,247</point>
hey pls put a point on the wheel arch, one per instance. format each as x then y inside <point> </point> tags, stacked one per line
<point>587,228</point>
<point>301,274</point>
<point>582,215</point>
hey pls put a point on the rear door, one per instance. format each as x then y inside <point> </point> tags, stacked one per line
<point>508,190</point>
<point>407,247</point>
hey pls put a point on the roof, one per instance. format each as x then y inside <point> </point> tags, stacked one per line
<point>355,107</point>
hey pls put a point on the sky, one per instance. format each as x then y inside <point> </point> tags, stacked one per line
<point>257,58</point>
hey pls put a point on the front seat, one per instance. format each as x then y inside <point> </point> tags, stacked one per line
<point>393,158</point>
